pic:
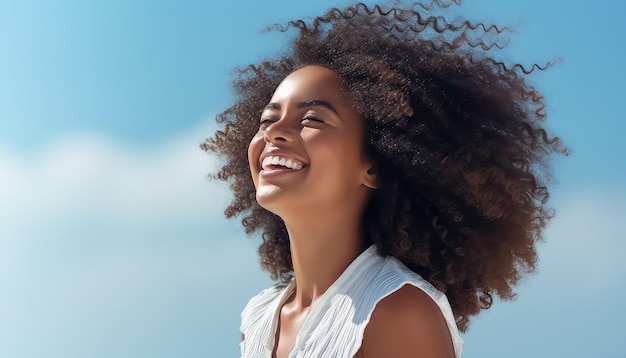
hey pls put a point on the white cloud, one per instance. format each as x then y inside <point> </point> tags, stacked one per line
<point>88,172</point>
<point>103,242</point>
<point>574,298</point>
<point>585,241</point>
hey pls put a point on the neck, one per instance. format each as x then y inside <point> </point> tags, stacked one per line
<point>321,252</point>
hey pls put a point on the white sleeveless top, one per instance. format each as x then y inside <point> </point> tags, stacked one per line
<point>337,320</point>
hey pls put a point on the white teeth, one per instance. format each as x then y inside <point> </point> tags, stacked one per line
<point>284,162</point>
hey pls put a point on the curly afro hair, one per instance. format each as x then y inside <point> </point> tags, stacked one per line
<point>457,137</point>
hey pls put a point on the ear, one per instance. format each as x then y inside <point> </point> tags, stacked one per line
<point>370,178</point>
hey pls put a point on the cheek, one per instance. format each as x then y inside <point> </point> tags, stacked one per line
<point>255,148</point>
<point>340,160</point>
<point>341,149</point>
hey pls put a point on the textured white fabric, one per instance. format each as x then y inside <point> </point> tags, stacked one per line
<point>337,320</point>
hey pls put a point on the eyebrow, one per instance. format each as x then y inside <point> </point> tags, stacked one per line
<point>305,104</point>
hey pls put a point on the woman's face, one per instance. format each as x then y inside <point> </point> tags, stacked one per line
<point>308,152</point>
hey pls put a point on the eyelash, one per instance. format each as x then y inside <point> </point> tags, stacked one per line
<point>266,121</point>
<point>311,118</point>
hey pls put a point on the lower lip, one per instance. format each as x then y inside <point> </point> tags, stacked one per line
<point>271,173</point>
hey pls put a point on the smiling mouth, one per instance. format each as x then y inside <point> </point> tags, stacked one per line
<point>277,162</point>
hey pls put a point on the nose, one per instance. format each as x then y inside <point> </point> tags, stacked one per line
<point>279,131</point>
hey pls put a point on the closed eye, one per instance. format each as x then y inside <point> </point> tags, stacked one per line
<point>266,121</point>
<point>312,119</point>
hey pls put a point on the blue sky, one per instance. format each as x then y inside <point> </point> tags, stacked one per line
<point>112,241</point>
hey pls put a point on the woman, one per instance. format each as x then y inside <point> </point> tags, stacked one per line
<point>396,173</point>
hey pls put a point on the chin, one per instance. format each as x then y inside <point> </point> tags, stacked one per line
<point>280,203</point>
<point>269,198</point>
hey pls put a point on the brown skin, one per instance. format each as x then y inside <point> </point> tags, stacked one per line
<point>322,205</point>
<point>407,323</point>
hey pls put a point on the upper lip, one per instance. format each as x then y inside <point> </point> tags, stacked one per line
<point>279,153</point>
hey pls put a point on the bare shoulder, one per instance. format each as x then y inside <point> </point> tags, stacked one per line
<point>407,323</point>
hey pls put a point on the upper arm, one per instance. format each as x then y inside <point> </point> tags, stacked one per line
<point>407,323</point>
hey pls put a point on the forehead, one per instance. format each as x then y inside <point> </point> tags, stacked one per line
<point>311,82</point>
